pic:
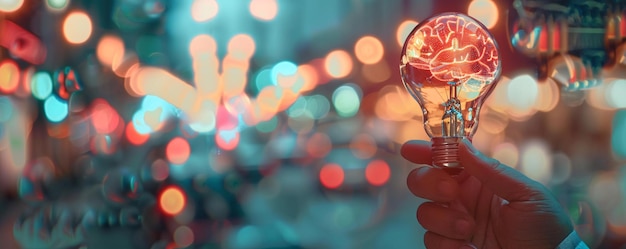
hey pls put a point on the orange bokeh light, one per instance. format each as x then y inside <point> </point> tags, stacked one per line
<point>172,200</point>
<point>10,5</point>
<point>369,50</point>
<point>9,76</point>
<point>319,145</point>
<point>241,46</point>
<point>77,27</point>
<point>178,150</point>
<point>404,29</point>
<point>108,48</point>
<point>363,146</point>
<point>204,10</point>
<point>338,64</point>
<point>377,172</point>
<point>264,10</point>
<point>484,11</point>
<point>202,44</point>
<point>331,175</point>
<point>309,76</point>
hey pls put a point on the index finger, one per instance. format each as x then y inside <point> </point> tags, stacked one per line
<point>432,184</point>
<point>417,151</point>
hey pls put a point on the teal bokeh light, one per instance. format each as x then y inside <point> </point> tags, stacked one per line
<point>618,136</point>
<point>268,126</point>
<point>285,68</point>
<point>41,85</point>
<point>57,4</point>
<point>263,79</point>
<point>6,109</point>
<point>56,109</point>
<point>346,100</point>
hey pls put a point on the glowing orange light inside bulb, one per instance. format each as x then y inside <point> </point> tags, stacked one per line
<point>450,64</point>
<point>452,49</point>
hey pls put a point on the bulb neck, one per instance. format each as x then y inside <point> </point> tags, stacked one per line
<point>446,154</point>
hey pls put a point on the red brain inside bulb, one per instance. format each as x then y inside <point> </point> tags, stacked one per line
<point>451,49</point>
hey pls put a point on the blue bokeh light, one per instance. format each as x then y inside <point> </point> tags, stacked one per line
<point>56,109</point>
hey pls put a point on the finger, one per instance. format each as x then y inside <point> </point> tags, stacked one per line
<point>432,184</point>
<point>503,180</point>
<point>436,241</point>
<point>445,221</point>
<point>417,151</point>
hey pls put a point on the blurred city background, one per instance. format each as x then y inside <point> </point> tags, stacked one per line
<point>272,123</point>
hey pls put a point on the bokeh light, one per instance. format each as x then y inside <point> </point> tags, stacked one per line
<point>363,146</point>
<point>160,170</point>
<point>506,153</point>
<point>264,10</point>
<point>172,200</point>
<point>10,5</point>
<point>109,47</point>
<point>522,92</point>
<point>9,76</point>
<point>484,11</point>
<point>104,118</point>
<point>283,68</point>
<point>618,134</point>
<point>227,139</point>
<point>183,236</point>
<point>346,100</point>
<point>403,31</point>
<point>202,44</point>
<point>41,85</point>
<point>57,4</point>
<point>204,10</point>
<point>55,108</point>
<point>536,161</point>
<point>331,175</point>
<point>614,93</point>
<point>319,145</point>
<point>241,47</point>
<point>369,50</point>
<point>77,27</point>
<point>133,136</point>
<point>268,126</point>
<point>377,172</point>
<point>338,64</point>
<point>6,111</point>
<point>178,150</point>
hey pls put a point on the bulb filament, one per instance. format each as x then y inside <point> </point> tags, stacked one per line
<point>452,123</point>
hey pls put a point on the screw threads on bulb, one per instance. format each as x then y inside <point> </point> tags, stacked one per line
<point>446,154</point>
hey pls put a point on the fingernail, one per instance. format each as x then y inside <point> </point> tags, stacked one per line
<point>468,144</point>
<point>446,188</point>
<point>462,226</point>
<point>468,247</point>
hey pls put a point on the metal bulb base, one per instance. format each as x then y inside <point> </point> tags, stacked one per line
<point>446,154</point>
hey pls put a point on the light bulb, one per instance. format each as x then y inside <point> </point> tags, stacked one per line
<point>450,64</point>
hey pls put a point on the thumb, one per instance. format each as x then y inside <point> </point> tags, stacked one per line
<point>503,180</point>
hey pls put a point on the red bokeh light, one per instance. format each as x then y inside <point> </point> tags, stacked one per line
<point>377,172</point>
<point>178,150</point>
<point>331,175</point>
<point>133,136</point>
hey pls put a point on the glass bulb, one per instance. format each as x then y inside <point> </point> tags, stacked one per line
<point>450,64</point>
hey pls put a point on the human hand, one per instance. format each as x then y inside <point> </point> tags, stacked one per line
<point>489,205</point>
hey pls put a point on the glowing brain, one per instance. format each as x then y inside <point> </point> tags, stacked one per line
<point>451,50</point>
